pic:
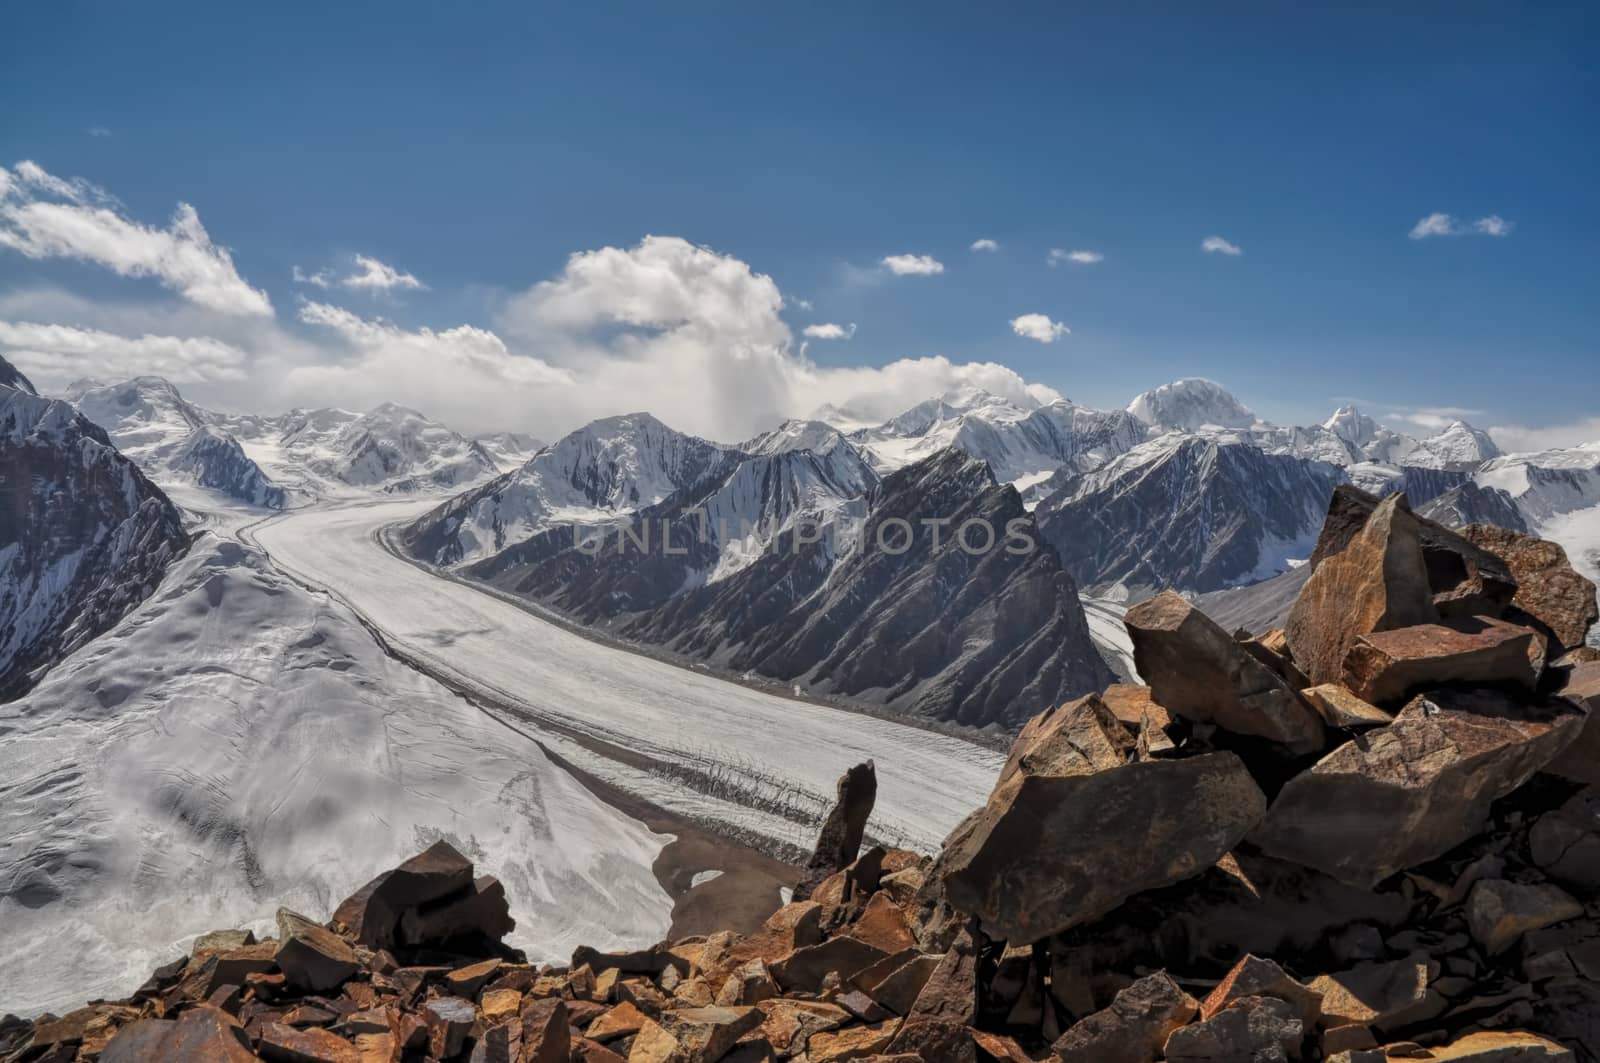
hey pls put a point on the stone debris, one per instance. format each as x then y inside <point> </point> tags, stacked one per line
<point>1373,836</point>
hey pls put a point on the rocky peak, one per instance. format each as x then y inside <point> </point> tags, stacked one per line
<point>11,377</point>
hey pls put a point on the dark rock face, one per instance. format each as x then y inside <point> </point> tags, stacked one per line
<point>986,630</point>
<point>1412,791</point>
<point>430,900</point>
<point>1468,503</point>
<point>1549,589</point>
<point>1200,516</point>
<point>11,377</point>
<point>839,841</point>
<point>87,537</point>
<point>215,460</point>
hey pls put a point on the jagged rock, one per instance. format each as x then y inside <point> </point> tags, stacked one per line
<point>706,1034</point>
<point>449,1021</point>
<point>951,992</point>
<point>839,841</point>
<point>1196,671</point>
<point>221,941</point>
<point>481,913</point>
<point>199,1035</point>
<point>316,959</point>
<point>1565,843</point>
<point>899,988</point>
<point>805,968</point>
<point>1384,995</point>
<point>1580,761</point>
<point>1340,708</point>
<point>1251,1030</point>
<point>883,923</point>
<point>1377,582</point>
<point>1411,791</point>
<point>1386,666</point>
<point>1257,977</point>
<point>289,1045</point>
<point>371,916</point>
<point>1500,912</point>
<point>934,1042</point>
<point>1050,851</point>
<point>1496,1046</point>
<point>546,1031</point>
<point>1134,1028</point>
<point>1063,740</point>
<point>853,1042</point>
<point>1549,589</point>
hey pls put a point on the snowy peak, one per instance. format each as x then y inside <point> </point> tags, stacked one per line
<point>1460,446</point>
<point>1352,426</point>
<point>11,377</point>
<point>509,449</point>
<point>1191,405</point>
<point>814,436</point>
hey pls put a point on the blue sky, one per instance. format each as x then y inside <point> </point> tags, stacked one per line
<point>477,146</point>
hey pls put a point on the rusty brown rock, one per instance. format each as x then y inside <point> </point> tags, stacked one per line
<point>1565,843</point>
<point>1196,671</point>
<point>1340,708</point>
<point>1253,976</point>
<point>839,840</point>
<point>199,1035</point>
<point>1377,582</point>
<point>372,914</point>
<point>1412,791</point>
<point>285,1044</point>
<point>1386,666</point>
<point>1384,995</point>
<point>316,959</point>
<point>1050,851</point>
<point>1580,761</point>
<point>1549,589</point>
<point>1501,912</point>
<point>1134,1028</point>
<point>1253,1028</point>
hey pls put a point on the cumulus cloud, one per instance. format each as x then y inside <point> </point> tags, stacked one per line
<point>829,331</point>
<point>378,276</point>
<point>1516,438</point>
<point>985,245</point>
<point>1059,255</point>
<point>55,355</point>
<point>1216,245</point>
<point>43,216</point>
<point>913,265</point>
<point>1432,418</point>
<point>1438,224</point>
<point>1038,327</point>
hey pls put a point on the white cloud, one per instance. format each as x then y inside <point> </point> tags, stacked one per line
<point>803,304</point>
<point>319,279</point>
<point>55,355</point>
<point>43,216</point>
<point>1438,224</point>
<point>1515,438</point>
<point>985,245</point>
<point>379,276</point>
<point>913,265</point>
<point>1216,245</point>
<point>1059,255</point>
<point>1432,418</point>
<point>1038,327</point>
<point>1493,225</point>
<point>829,331</point>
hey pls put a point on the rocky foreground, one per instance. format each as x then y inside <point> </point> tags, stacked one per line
<point>1373,835</point>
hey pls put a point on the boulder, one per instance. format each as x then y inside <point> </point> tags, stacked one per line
<point>1565,843</point>
<point>449,1021</point>
<point>1134,1028</point>
<point>372,914</point>
<point>1341,709</point>
<point>1580,761</point>
<point>1382,995</point>
<point>1050,851</point>
<point>289,1045</point>
<point>199,1035</point>
<point>839,840</point>
<point>1412,791</point>
<point>852,1042</point>
<point>1501,912</point>
<point>708,1033</point>
<point>546,1031</point>
<point>478,916</point>
<point>1464,579</point>
<point>1253,1029</point>
<point>1385,667</point>
<point>1195,670</point>
<point>316,959</point>
<point>1257,977</point>
<point>1549,589</point>
<point>1377,582</point>
<point>951,992</point>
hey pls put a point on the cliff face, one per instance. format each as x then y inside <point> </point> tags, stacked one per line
<point>84,536</point>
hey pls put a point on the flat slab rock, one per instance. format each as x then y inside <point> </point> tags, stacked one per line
<point>1407,793</point>
<point>1385,666</point>
<point>1075,829</point>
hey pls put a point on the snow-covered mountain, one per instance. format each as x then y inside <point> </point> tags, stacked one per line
<point>172,440</point>
<point>1189,405</point>
<point>606,469</point>
<point>11,377</point>
<point>84,536</point>
<point>509,449</point>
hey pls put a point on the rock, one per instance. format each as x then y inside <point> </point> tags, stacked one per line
<point>449,1021</point>
<point>466,981</point>
<point>1251,1030</point>
<point>1549,589</point>
<point>934,1042</point>
<point>707,1034</point>
<point>1500,912</point>
<point>1377,582</point>
<point>1565,843</point>
<point>806,968</point>
<point>1196,671</point>
<point>951,992</point>
<point>289,1045</point>
<point>1050,851</point>
<point>883,924</point>
<point>480,915</point>
<point>200,1035</point>
<point>1580,761</point>
<point>1384,995</point>
<point>839,841</point>
<point>1495,1046</point>
<point>1412,791</point>
<point>899,989</point>
<point>853,1042</point>
<point>787,1024</point>
<point>1256,977</point>
<point>316,959</point>
<point>1067,740</point>
<point>372,914</point>
<point>1386,666</point>
<point>1341,709</point>
<point>1133,704</point>
<point>546,1031</point>
<point>1134,1029</point>
<point>221,941</point>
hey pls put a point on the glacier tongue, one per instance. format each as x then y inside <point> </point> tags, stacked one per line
<point>236,743</point>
